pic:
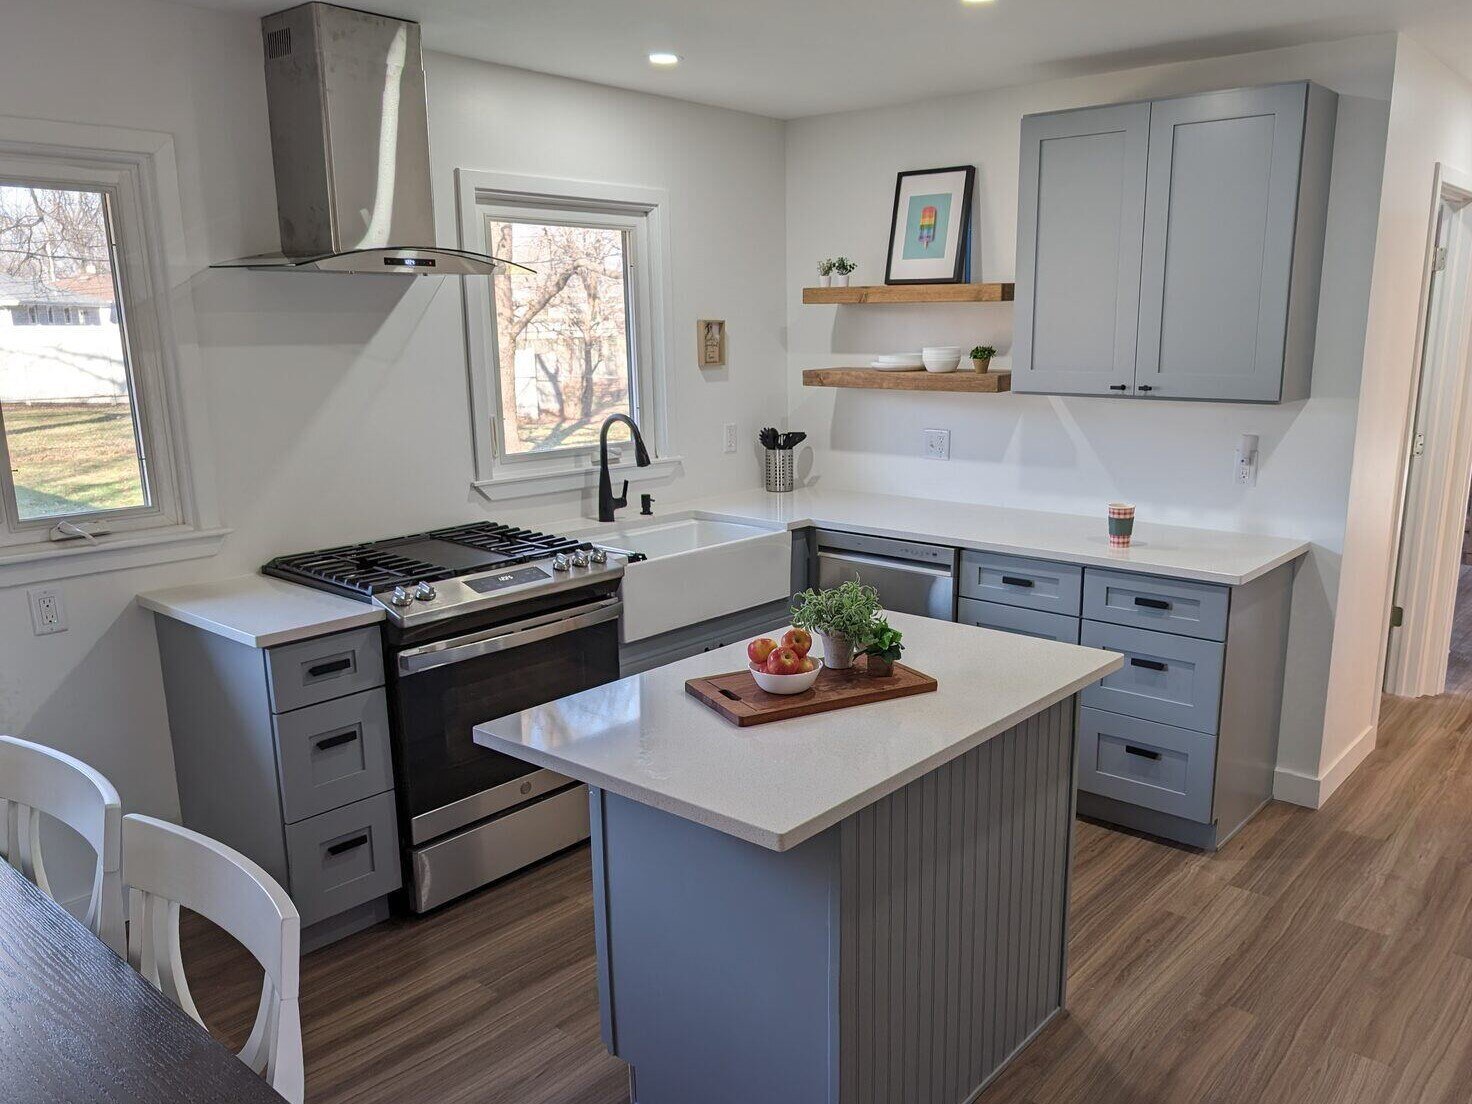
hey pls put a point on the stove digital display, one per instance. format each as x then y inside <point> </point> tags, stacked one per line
<point>500,581</point>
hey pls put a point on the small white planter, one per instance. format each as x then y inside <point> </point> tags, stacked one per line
<point>838,651</point>
<point>840,279</point>
<point>825,280</point>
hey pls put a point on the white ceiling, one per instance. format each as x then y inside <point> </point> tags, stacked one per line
<point>787,58</point>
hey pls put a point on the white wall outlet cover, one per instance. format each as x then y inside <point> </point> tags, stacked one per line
<point>48,615</point>
<point>938,444</point>
<point>1245,467</point>
<point>728,437</point>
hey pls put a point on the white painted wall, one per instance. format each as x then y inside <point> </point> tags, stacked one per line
<point>1430,121</point>
<point>1174,460</point>
<point>338,404</point>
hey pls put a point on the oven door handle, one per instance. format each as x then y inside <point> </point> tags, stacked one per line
<point>411,661</point>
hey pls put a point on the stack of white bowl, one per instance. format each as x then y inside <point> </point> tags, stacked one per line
<point>898,362</point>
<point>941,358</point>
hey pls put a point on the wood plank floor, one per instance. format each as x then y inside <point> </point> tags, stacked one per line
<point>1319,957</point>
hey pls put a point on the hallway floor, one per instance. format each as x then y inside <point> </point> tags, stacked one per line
<point>1318,957</point>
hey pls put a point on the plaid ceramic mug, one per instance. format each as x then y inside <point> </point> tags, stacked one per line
<point>1121,524</point>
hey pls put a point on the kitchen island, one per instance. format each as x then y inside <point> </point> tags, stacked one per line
<point>865,905</point>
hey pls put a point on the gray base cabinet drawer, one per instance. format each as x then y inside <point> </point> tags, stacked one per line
<point>1144,763</point>
<point>326,667</point>
<point>333,753</point>
<point>1017,581</point>
<point>1171,679</point>
<point>1169,605</point>
<point>1015,619</point>
<point>343,858</point>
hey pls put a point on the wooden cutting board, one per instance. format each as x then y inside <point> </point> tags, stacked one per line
<point>738,698</point>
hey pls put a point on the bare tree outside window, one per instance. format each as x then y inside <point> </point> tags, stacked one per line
<point>67,410</point>
<point>562,333</point>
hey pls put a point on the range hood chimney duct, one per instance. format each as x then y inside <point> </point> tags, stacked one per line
<point>350,145</point>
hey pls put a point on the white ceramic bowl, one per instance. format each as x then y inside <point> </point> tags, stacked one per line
<point>938,363</point>
<point>942,351</point>
<point>787,684</point>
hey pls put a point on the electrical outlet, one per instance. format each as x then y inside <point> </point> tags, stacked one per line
<point>938,444</point>
<point>1245,469</point>
<point>48,615</point>
<point>728,437</point>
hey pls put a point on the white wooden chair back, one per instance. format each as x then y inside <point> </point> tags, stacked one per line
<point>166,867</point>
<point>35,779</point>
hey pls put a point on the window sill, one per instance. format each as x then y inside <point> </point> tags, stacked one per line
<point>502,487</point>
<point>33,564</point>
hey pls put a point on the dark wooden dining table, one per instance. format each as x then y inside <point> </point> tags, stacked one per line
<point>78,1025</point>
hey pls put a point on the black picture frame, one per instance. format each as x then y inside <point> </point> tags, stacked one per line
<point>962,266</point>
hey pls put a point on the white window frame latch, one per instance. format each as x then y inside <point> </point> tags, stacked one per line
<point>87,531</point>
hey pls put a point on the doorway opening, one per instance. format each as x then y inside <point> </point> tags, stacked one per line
<point>1433,601</point>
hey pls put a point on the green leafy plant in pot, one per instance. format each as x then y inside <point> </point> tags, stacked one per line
<point>883,649</point>
<point>841,617</point>
<point>981,357</point>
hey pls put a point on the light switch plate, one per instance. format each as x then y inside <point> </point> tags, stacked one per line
<point>48,615</point>
<point>938,444</point>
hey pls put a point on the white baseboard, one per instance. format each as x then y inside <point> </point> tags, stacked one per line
<point>1298,788</point>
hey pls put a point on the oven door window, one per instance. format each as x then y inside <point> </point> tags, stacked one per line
<point>437,759</point>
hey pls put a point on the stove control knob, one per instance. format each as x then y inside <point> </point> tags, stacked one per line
<point>560,562</point>
<point>598,556</point>
<point>580,558</point>
<point>425,592</point>
<point>400,597</point>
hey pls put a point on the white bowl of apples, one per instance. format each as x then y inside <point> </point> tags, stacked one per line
<point>783,666</point>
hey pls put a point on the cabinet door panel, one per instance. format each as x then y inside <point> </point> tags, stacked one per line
<point>1220,210</point>
<point>1080,229</point>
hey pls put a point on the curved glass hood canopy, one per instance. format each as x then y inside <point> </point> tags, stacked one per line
<point>350,148</point>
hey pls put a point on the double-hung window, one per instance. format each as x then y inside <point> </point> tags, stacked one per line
<point>83,447</point>
<point>557,350</point>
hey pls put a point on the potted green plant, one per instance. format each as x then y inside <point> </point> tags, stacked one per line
<point>842,266</point>
<point>981,357</point>
<point>825,272</point>
<point>841,617</point>
<point>883,649</point>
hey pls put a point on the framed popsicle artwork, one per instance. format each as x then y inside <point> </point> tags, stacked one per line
<point>930,230</point>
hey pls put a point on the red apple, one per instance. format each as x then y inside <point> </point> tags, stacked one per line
<point>759,649</point>
<point>799,640</point>
<point>784,661</point>
<point>808,665</point>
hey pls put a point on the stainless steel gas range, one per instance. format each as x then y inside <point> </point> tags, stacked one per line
<point>481,620</point>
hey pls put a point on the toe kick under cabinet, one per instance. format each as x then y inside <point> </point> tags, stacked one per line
<point>1181,742</point>
<point>283,754</point>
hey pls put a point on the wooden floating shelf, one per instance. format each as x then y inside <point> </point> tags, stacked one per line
<point>984,383</point>
<point>911,293</point>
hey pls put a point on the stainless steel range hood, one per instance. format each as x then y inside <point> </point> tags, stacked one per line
<point>350,143</point>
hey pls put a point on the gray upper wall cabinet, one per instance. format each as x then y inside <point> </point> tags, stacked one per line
<point>1227,229</point>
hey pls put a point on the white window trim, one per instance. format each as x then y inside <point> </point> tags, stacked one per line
<point>480,193</point>
<point>187,525</point>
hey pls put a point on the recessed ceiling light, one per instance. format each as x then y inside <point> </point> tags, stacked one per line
<point>976,1</point>
<point>664,59</point>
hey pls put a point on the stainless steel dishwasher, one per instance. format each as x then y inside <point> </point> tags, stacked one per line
<point>911,577</point>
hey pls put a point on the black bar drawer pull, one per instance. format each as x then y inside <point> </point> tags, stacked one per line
<point>1013,580</point>
<point>332,667</point>
<point>348,845</point>
<point>1143,753</point>
<point>1153,603</point>
<point>1148,664</point>
<point>337,739</point>
<point>1119,387</point>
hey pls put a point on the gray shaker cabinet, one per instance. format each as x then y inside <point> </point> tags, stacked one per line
<point>1081,212</point>
<point>1236,188</point>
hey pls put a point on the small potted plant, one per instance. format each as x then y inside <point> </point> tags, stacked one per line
<point>883,649</point>
<point>842,266</point>
<point>841,617</point>
<point>981,357</point>
<point>825,272</point>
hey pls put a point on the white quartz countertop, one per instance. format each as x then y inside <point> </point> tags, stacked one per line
<point>1176,551</point>
<point>780,783</point>
<point>260,611</point>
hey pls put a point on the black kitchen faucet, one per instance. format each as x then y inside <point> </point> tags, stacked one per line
<point>607,504</point>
